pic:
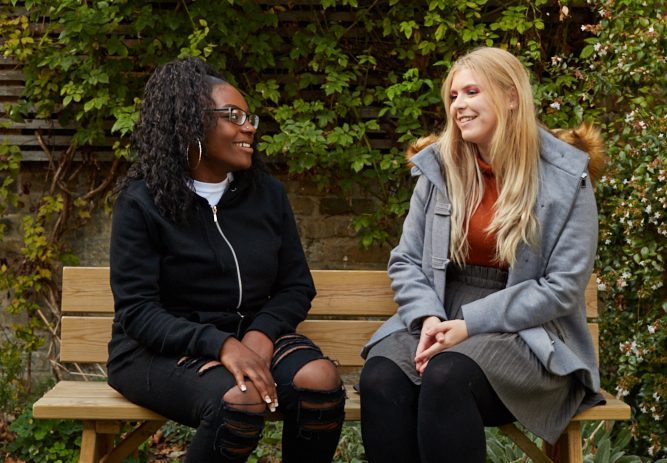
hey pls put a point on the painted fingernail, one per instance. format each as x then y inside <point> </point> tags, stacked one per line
<point>267,399</point>
<point>243,388</point>
<point>272,408</point>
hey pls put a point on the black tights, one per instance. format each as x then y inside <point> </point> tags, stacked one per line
<point>440,421</point>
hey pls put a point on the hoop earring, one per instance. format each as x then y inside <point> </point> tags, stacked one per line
<point>187,155</point>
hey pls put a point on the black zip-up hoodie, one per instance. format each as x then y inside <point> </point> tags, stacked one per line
<point>176,286</point>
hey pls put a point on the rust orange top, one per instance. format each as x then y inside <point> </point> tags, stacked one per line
<point>483,245</point>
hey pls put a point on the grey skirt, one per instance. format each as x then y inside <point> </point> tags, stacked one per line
<point>543,402</point>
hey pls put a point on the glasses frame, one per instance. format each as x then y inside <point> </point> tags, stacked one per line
<point>227,113</point>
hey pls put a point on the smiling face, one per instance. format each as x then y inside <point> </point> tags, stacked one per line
<point>228,145</point>
<point>472,110</point>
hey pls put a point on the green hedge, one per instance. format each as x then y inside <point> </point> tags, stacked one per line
<point>347,85</point>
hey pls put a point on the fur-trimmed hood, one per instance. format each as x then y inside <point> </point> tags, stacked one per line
<point>585,137</point>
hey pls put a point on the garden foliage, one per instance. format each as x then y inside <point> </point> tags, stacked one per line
<point>344,86</point>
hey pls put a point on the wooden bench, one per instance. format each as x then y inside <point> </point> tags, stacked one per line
<point>349,307</point>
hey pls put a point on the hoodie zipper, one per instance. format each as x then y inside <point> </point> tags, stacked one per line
<point>236,261</point>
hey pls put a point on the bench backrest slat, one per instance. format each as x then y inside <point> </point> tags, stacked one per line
<point>339,292</point>
<point>84,339</point>
<point>351,295</point>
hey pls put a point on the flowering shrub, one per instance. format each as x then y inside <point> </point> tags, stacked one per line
<point>627,69</point>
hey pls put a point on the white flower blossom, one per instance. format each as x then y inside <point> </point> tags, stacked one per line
<point>651,30</point>
<point>555,105</point>
<point>656,396</point>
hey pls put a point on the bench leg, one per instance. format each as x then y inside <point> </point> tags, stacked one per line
<point>89,443</point>
<point>131,442</point>
<point>568,449</point>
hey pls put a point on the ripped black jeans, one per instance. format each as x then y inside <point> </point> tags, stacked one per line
<point>175,389</point>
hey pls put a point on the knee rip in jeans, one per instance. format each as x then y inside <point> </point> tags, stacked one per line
<point>203,365</point>
<point>239,433</point>
<point>320,411</point>
<point>291,343</point>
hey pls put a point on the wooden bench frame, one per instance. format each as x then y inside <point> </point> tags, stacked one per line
<point>349,307</point>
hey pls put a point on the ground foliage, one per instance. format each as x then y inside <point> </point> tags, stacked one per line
<point>343,86</point>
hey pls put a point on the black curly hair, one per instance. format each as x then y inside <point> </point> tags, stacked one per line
<point>172,118</point>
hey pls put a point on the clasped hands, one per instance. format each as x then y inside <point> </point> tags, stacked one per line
<point>436,336</point>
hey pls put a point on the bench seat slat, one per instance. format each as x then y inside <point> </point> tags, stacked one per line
<point>614,409</point>
<point>99,401</point>
<point>81,400</point>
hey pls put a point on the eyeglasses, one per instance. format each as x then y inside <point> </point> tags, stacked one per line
<point>237,116</point>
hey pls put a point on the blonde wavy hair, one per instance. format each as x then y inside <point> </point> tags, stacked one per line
<point>513,152</point>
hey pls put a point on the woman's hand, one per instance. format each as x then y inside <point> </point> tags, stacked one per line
<point>260,343</point>
<point>425,341</point>
<point>244,362</point>
<point>437,337</point>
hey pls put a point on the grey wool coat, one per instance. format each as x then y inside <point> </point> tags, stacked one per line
<point>544,298</point>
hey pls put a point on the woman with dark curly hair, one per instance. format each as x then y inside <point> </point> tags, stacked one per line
<point>210,280</point>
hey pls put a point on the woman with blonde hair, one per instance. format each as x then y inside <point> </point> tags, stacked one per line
<point>489,277</point>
